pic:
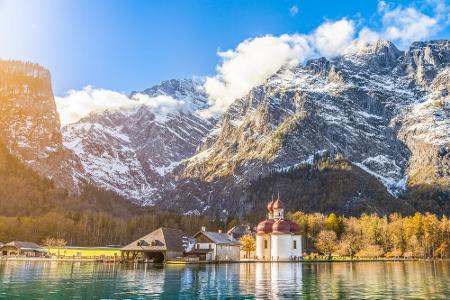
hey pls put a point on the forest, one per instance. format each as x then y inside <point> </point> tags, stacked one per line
<point>419,236</point>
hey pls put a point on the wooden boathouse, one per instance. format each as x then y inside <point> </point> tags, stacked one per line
<point>158,246</point>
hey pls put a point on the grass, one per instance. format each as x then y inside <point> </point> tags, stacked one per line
<point>84,252</point>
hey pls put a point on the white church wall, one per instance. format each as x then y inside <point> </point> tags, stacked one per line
<point>297,247</point>
<point>281,246</point>
<point>263,246</point>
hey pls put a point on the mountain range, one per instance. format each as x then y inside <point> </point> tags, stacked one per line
<point>366,131</point>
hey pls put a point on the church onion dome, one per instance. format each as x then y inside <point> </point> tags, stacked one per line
<point>281,226</point>
<point>295,229</point>
<point>278,204</point>
<point>270,206</point>
<point>265,227</point>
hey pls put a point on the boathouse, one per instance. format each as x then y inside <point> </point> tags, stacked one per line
<point>21,248</point>
<point>158,246</point>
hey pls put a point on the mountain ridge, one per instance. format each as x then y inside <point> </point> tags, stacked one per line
<point>383,111</point>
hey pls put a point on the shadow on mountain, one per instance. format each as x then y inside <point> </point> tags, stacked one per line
<point>23,192</point>
<point>325,186</point>
<point>338,187</point>
<point>429,198</point>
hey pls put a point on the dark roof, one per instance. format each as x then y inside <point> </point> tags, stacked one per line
<point>217,237</point>
<point>24,245</point>
<point>161,239</point>
<point>239,231</point>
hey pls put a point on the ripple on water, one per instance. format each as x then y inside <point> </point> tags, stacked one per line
<point>368,280</point>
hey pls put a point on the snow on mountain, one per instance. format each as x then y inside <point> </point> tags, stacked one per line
<point>354,104</point>
<point>136,152</point>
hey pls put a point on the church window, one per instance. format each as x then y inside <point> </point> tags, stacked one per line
<point>265,244</point>
<point>295,244</point>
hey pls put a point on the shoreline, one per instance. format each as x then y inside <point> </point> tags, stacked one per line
<point>177,262</point>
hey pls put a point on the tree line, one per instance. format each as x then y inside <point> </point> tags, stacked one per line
<point>95,229</point>
<point>418,236</point>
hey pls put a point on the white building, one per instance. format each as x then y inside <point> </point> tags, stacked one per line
<point>217,246</point>
<point>278,239</point>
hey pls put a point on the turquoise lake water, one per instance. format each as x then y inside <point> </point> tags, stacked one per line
<point>362,280</point>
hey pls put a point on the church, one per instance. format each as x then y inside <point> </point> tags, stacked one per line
<point>278,239</point>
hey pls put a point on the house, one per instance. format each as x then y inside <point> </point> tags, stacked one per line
<point>217,246</point>
<point>21,248</point>
<point>158,246</point>
<point>277,238</point>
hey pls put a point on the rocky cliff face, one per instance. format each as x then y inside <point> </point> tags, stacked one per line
<point>29,122</point>
<point>384,110</point>
<point>425,130</point>
<point>137,153</point>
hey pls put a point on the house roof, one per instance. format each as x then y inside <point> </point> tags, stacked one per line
<point>217,237</point>
<point>24,245</point>
<point>239,230</point>
<point>162,239</point>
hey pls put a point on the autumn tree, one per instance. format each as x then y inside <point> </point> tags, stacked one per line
<point>326,242</point>
<point>54,242</point>
<point>349,244</point>
<point>335,224</point>
<point>248,244</point>
<point>396,234</point>
<point>371,251</point>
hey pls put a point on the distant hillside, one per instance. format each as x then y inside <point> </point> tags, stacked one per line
<point>328,183</point>
<point>33,208</point>
<point>23,192</point>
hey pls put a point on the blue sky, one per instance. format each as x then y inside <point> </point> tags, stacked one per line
<point>131,45</point>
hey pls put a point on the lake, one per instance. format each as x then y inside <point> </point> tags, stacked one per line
<point>358,280</point>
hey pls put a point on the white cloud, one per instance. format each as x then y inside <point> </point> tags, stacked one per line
<point>293,11</point>
<point>407,25</point>
<point>78,104</point>
<point>252,62</point>
<point>332,38</point>
<point>255,60</point>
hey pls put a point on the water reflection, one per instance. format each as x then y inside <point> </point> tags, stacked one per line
<point>369,280</point>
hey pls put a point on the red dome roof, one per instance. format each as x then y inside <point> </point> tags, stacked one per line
<point>265,226</point>
<point>295,229</point>
<point>281,226</point>
<point>270,206</point>
<point>278,204</point>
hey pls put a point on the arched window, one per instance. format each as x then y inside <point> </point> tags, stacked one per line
<point>295,244</point>
<point>265,244</point>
